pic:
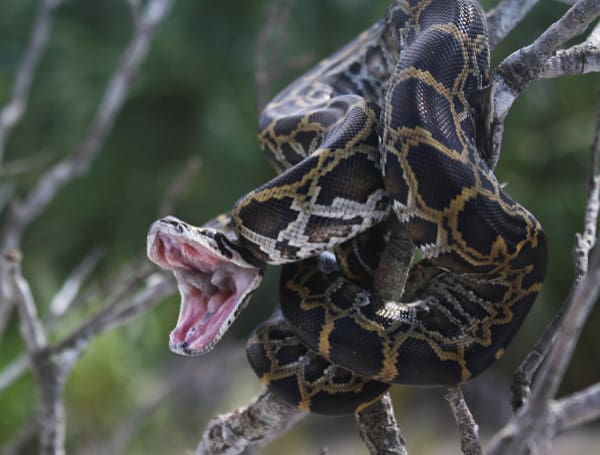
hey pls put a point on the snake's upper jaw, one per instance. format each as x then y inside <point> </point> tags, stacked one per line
<point>214,281</point>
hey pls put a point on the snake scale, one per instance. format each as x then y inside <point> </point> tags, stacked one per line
<point>389,131</point>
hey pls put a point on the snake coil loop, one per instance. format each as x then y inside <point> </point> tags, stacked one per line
<point>390,127</point>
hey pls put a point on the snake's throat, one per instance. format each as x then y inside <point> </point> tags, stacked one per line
<point>213,291</point>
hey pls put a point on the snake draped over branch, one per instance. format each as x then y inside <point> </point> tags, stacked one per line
<point>391,130</point>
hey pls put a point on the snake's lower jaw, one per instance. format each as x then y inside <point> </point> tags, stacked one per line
<point>214,287</point>
<point>205,313</point>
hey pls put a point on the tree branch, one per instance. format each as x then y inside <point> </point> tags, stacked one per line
<point>179,186</point>
<point>584,243</point>
<point>469,430</point>
<point>586,291</point>
<point>115,314</point>
<point>38,43</point>
<point>78,163</point>
<point>379,430</point>
<point>70,289</point>
<point>52,365</point>
<point>537,423</point>
<point>526,65</point>
<point>505,16</point>
<point>264,419</point>
<point>577,409</point>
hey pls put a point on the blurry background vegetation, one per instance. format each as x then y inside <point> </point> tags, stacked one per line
<point>195,96</point>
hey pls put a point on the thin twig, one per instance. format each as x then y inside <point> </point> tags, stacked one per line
<point>505,16</point>
<point>6,192</point>
<point>24,166</point>
<point>198,382</point>
<point>72,285</point>
<point>469,430</point>
<point>115,315</point>
<point>124,282</point>
<point>180,185</point>
<point>38,43</point>
<point>577,409</point>
<point>277,16</point>
<point>32,330</point>
<point>523,375</point>
<point>14,371</point>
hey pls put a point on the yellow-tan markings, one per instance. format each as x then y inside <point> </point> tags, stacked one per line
<point>456,276</point>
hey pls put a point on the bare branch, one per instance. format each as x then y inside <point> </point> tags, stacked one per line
<point>125,282</point>
<point>536,425</point>
<point>505,16</point>
<point>581,251</point>
<point>13,371</point>
<point>32,330</point>
<point>379,430</point>
<point>198,382</point>
<point>51,366</point>
<point>377,424</point>
<point>38,42</point>
<point>584,297</point>
<point>126,430</point>
<point>6,192</point>
<point>114,314</point>
<point>577,409</point>
<point>469,430</point>
<point>264,419</point>
<point>277,18</point>
<point>77,164</point>
<point>180,185</point>
<point>523,375</point>
<point>72,285</point>
<point>24,166</point>
<point>524,66</point>
<point>47,373</point>
<point>580,59</point>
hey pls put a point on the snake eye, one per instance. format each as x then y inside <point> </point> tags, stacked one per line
<point>178,225</point>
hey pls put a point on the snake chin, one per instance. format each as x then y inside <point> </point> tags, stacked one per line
<point>214,285</point>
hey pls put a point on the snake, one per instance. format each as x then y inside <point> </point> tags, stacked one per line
<point>387,138</point>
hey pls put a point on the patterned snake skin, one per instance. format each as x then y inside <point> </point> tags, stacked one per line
<point>391,127</point>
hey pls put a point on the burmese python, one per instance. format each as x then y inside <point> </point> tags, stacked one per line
<point>392,125</point>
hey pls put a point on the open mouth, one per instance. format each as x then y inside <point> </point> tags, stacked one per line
<point>215,283</point>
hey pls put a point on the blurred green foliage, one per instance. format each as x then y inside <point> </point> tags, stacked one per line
<point>195,96</point>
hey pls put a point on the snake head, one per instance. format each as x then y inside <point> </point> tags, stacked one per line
<point>214,279</point>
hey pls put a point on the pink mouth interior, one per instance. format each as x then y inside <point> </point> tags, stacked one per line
<point>211,289</point>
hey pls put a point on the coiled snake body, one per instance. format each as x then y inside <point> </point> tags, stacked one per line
<point>389,131</point>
